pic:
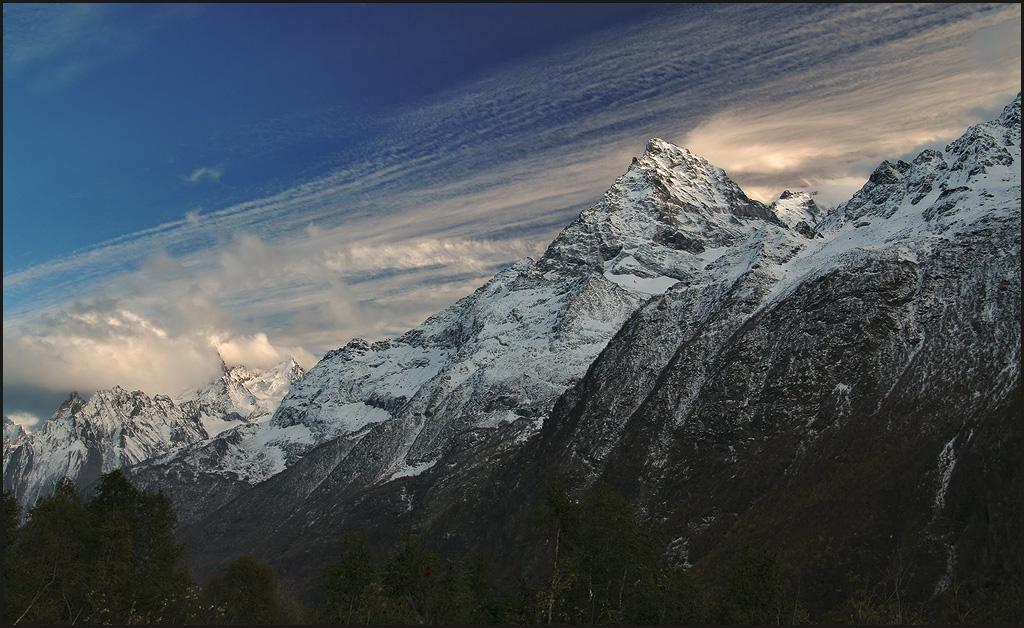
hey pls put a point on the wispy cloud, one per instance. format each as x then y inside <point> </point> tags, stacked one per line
<point>200,174</point>
<point>53,45</point>
<point>93,345</point>
<point>829,135</point>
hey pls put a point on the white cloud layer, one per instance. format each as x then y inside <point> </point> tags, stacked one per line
<point>27,421</point>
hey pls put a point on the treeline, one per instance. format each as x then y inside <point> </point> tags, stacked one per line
<point>604,567</point>
<point>113,559</point>
<point>110,560</point>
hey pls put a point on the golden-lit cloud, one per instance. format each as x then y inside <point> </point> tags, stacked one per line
<point>812,131</point>
<point>28,422</point>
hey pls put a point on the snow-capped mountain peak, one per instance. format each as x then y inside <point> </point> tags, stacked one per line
<point>242,395</point>
<point>982,166</point>
<point>690,183</point>
<point>662,222</point>
<point>12,432</point>
<point>117,429</point>
<point>114,429</point>
<point>797,210</point>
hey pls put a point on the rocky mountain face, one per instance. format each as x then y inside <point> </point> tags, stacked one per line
<point>117,429</point>
<point>502,355</point>
<point>835,384</point>
<point>840,386</point>
<point>242,395</point>
<point>12,432</point>
<point>112,430</point>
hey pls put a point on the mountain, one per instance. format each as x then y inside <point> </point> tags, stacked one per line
<point>242,395</point>
<point>834,383</point>
<point>501,356</point>
<point>12,432</point>
<point>116,429</point>
<point>840,387</point>
<point>860,397</point>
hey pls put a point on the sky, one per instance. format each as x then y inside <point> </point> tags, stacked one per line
<point>186,185</point>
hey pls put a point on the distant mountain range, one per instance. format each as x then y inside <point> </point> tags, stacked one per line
<point>830,383</point>
<point>116,429</point>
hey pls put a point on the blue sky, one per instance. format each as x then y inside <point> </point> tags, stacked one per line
<point>190,183</point>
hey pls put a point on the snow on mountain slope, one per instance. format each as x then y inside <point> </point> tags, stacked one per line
<point>911,208</point>
<point>242,395</point>
<point>506,352</point>
<point>12,432</point>
<point>116,429</point>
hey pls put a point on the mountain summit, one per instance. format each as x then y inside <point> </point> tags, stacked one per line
<point>504,354</point>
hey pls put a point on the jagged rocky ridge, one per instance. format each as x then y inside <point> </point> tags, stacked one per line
<point>12,432</point>
<point>117,429</point>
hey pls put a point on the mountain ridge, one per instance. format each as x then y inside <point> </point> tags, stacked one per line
<point>865,303</point>
<point>117,429</point>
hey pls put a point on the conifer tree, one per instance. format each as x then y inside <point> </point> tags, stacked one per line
<point>249,592</point>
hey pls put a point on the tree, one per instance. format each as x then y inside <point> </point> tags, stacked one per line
<point>110,560</point>
<point>607,566</point>
<point>49,562</point>
<point>754,590</point>
<point>411,582</point>
<point>352,590</point>
<point>12,517</point>
<point>141,575</point>
<point>247,594</point>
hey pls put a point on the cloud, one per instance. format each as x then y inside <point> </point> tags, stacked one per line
<point>103,344</point>
<point>96,346</point>
<point>54,45</point>
<point>25,420</point>
<point>811,131</point>
<point>200,174</point>
<point>995,44</point>
<point>257,351</point>
<point>458,255</point>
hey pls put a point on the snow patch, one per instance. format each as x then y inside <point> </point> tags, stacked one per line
<point>411,470</point>
<point>644,285</point>
<point>947,461</point>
